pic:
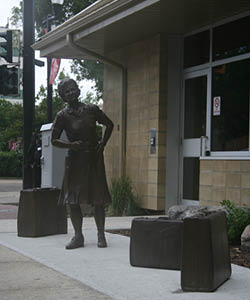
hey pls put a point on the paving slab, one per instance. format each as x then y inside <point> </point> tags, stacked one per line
<point>109,271</point>
<point>8,211</point>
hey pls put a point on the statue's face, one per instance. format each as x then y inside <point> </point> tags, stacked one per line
<point>70,92</point>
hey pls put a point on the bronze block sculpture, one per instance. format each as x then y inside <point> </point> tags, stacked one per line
<point>39,214</point>
<point>205,256</point>
<point>156,243</point>
<point>192,239</point>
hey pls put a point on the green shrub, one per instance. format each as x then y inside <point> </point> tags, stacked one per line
<point>237,219</point>
<point>123,197</point>
<point>11,164</point>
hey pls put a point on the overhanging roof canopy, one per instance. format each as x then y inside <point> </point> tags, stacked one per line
<point>108,25</point>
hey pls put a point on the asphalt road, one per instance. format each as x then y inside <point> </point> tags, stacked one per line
<point>9,197</point>
<point>10,185</point>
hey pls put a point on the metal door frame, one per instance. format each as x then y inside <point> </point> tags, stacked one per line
<point>190,75</point>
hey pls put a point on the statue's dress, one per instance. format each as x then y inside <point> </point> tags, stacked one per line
<point>84,176</point>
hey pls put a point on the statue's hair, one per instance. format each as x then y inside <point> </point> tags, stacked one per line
<point>64,82</point>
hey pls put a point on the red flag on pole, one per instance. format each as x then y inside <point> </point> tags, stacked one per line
<point>55,65</point>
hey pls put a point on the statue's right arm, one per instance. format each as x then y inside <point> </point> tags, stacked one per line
<point>60,143</point>
<point>56,140</point>
<point>77,145</point>
<point>57,130</point>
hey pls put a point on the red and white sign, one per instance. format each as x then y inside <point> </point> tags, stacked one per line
<point>55,65</point>
<point>216,106</point>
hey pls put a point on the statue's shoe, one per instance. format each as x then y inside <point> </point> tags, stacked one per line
<point>101,240</point>
<point>75,243</point>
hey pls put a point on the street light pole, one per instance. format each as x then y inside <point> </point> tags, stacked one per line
<point>28,88</point>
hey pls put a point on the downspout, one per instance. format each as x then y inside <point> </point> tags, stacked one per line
<point>123,102</point>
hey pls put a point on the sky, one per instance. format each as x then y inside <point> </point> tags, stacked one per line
<point>40,72</point>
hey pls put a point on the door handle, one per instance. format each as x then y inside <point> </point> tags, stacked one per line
<point>203,145</point>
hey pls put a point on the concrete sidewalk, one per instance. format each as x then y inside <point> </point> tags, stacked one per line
<point>21,278</point>
<point>10,190</point>
<point>106,272</point>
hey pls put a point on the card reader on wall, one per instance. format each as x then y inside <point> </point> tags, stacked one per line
<point>152,141</point>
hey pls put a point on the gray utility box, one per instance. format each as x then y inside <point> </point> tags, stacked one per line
<point>52,160</point>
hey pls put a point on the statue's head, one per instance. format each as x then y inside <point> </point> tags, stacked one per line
<point>68,90</point>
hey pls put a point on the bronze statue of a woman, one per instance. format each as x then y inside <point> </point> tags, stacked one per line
<point>84,176</point>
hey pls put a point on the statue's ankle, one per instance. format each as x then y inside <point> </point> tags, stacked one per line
<point>101,240</point>
<point>79,236</point>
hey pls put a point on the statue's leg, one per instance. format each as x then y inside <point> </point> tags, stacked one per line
<point>100,223</point>
<point>76,219</point>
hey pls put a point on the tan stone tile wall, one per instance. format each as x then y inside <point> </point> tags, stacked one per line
<point>112,93</point>
<point>146,109</point>
<point>224,180</point>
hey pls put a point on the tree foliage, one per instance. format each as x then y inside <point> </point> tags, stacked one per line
<point>83,69</point>
<point>89,69</point>
<point>43,8</point>
<point>16,18</point>
<point>41,108</point>
<point>11,115</point>
<point>11,123</point>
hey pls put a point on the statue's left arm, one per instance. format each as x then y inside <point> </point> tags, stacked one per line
<point>104,120</point>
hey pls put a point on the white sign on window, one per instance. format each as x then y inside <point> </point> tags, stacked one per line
<point>216,106</point>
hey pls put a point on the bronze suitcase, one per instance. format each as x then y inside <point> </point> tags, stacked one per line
<point>39,214</point>
<point>156,243</point>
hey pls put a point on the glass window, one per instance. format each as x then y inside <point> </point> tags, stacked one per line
<point>195,107</point>
<point>230,119</point>
<point>231,39</point>
<point>196,49</point>
<point>191,177</point>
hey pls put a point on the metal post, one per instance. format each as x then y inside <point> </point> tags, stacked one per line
<point>49,92</point>
<point>49,86</point>
<point>28,88</point>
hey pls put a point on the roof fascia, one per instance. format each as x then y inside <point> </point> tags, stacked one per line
<point>114,18</point>
<point>91,15</point>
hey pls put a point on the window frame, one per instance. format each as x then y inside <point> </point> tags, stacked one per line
<point>209,66</point>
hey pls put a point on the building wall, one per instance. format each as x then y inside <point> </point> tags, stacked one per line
<point>146,109</point>
<point>112,95</point>
<point>224,180</point>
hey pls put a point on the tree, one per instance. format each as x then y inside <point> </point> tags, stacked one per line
<point>91,98</point>
<point>11,115</point>
<point>69,9</point>
<point>16,18</point>
<point>83,69</point>
<point>11,123</point>
<point>90,69</point>
<point>42,104</point>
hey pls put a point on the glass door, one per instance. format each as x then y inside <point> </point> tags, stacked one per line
<point>195,136</point>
